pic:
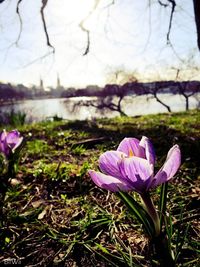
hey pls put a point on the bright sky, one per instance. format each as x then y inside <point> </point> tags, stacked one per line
<point>129,34</point>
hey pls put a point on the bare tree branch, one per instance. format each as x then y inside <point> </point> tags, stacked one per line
<point>173,5</point>
<point>149,29</point>
<point>88,37</point>
<point>38,59</point>
<point>171,19</point>
<point>186,89</point>
<point>103,103</point>
<point>154,91</point>
<point>177,74</point>
<point>44,3</point>
<point>110,4</point>
<point>20,21</point>
<point>83,28</point>
<point>196,4</point>
<point>162,4</point>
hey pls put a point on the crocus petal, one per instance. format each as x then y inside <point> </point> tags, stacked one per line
<point>170,166</point>
<point>109,182</point>
<point>134,167</point>
<point>149,149</point>
<point>13,138</point>
<point>131,147</point>
<point>9,142</point>
<point>3,144</point>
<point>137,171</point>
<point>18,144</point>
<point>109,163</point>
<point>3,135</point>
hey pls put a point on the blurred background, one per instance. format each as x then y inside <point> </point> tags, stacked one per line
<point>98,58</point>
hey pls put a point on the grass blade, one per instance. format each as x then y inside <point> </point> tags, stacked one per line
<point>139,212</point>
<point>162,203</point>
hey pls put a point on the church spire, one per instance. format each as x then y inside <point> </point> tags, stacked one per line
<point>41,83</point>
<point>58,81</point>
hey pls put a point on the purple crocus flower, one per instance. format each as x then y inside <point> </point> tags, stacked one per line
<point>131,167</point>
<point>9,142</point>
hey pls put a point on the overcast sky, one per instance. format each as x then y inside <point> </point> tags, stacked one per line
<point>129,35</point>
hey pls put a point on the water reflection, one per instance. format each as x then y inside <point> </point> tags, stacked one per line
<point>37,110</point>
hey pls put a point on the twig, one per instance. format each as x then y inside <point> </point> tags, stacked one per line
<point>171,19</point>
<point>110,4</point>
<point>44,3</point>
<point>20,21</point>
<point>81,25</point>
<point>88,37</point>
<point>37,59</point>
<point>91,142</point>
<point>177,74</point>
<point>186,220</point>
<point>162,4</point>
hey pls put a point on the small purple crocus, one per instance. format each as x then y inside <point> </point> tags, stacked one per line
<point>131,167</point>
<point>9,142</point>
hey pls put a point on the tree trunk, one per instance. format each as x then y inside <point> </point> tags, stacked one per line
<point>119,109</point>
<point>186,103</point>
<point>162,103</point>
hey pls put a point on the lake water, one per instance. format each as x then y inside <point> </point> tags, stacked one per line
<point>37,110</point>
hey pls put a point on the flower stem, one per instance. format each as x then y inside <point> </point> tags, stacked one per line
<point>162,250</point>
<point>149,206</point>
<point>160,241</point>
<point>12,168</point>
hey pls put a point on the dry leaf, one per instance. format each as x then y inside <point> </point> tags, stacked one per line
<point>37,203</point>
<point>26,213</point>
<point>42,214</point>
<point>15,181</point>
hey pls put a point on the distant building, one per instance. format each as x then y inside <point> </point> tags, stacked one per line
<point>58,82</point>
<point>58,90</point>
<point>41,84</point>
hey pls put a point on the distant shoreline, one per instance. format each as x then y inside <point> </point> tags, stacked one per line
<point>13,101</point>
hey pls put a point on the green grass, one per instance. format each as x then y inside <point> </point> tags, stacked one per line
<point>55,215</point>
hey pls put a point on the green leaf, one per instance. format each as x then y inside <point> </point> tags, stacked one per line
<point>139,212</point>
<point>169,230</point>
<point>104,250</point>
<point>163,202</point>
<point>181,236</point>
<point>7,240</point>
